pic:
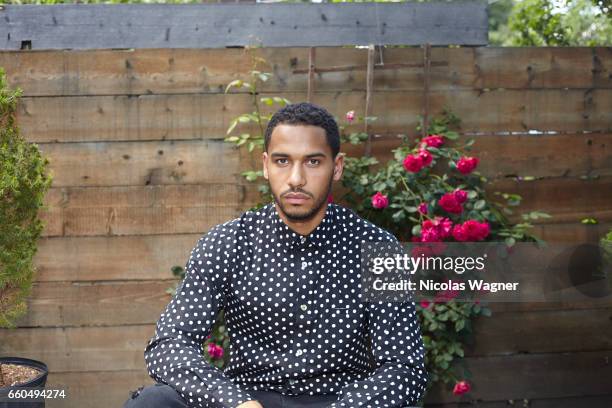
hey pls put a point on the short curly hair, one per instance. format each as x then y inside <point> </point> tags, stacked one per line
<point>306,113</point>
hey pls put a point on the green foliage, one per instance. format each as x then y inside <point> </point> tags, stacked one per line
<point>534,23</point>
<point>23,184</point>
<point>559,23</point>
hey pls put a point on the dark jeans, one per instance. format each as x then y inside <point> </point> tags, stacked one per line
<point>163,396</point>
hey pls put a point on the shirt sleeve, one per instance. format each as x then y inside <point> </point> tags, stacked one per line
<point>174,355</point>
<point>400,378</point>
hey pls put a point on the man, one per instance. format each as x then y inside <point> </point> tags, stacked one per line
<point>288,278</point>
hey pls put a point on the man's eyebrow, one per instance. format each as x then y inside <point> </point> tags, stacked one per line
<point>280,154</point>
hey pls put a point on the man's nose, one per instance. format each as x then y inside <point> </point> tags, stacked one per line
<point>297,178</point>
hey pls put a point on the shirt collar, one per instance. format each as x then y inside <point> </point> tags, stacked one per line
<point>320,236</point>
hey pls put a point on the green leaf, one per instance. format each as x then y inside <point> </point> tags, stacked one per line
<point>479,205</point>
<point>459,325</point>
<point>451,135</point>
<point>236,83</point>
<point>267,101</point>
<point>398,216</point>
<point>232,125</point>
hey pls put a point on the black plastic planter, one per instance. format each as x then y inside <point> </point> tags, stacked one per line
<point>38,382</point>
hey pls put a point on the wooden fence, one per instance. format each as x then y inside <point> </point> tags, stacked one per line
<point>141,172</point>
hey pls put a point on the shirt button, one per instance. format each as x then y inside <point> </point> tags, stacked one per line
<point>304,307</point>
<point>299,353</point>
<point>303,239</point>
<point>304,265</point>
<point>292,381</point>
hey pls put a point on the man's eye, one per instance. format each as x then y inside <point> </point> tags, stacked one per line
<point>314,161</point>
<point>281,161</point>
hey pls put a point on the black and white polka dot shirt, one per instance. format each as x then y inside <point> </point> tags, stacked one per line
<point>294,316</point>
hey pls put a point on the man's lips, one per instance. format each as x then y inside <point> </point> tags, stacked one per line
<point>296,198</point>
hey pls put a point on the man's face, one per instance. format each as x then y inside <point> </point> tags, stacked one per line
<point>300,169</point>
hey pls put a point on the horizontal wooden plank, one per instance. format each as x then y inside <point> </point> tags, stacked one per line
<point>501,156</point>
<point>135,210</point>
<point>186,71</point>
<point>106,303</point>
<point>586,303</point>
<point>221,25</point>
<point>533,376</point>
<point>207,116</point>
<point>142,163</point>
<point>572,233</point>
<point>566,199</point>
<point>80,348</point>
<point>549,331</point>
<point>591,401</point>
<point>143,257</point>
<point>96,389</point>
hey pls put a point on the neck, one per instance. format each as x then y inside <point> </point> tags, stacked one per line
<point>303,227</point>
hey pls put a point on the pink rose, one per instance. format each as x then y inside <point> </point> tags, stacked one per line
<point>413,163</point>
<point>459,234</point>
<point>350,116</point>
<point>433,140</point>
<point>425,304</point>
<point>426,157</point>
<point>215,351</point>
<point>435,230</point>
<point>471,230</point>
<point>449,203</point>
<point>380,201</point>
<point>423,208</point>
<point>330,198</point>
<point>460,196</point>
<point>461,387</point>
<point>476,230</point>
<point>430,234</point>
<point>466,164</point>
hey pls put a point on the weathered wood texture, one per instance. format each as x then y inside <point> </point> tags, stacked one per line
<point>134,139</point>
<point>103,26</point>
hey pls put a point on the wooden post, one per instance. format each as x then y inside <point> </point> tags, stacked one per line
<point>426,75</point>
<point>368,107</point>
<point>311,72</point>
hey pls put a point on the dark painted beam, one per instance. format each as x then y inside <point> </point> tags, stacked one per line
<point>98,26</point>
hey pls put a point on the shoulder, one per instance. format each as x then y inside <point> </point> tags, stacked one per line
<point>229,233</point>
<point>363,230</point>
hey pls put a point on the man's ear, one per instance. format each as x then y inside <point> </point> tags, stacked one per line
<point>338,166</point>
<point>264,159</point>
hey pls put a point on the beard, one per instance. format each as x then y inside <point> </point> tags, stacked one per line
<point>299,214</point>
